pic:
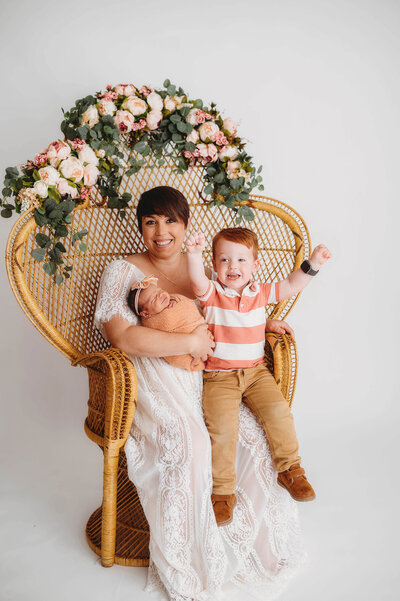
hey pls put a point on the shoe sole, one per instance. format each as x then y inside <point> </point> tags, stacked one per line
<point>300,499</point>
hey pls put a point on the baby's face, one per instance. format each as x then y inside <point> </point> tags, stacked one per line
<point>153,300</point>
<point>234,264</point>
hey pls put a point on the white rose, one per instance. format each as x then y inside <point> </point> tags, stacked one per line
<point>90,175</point>
<point>72,168</point>
<point>230,126</point>
<point>169,104</point>
<point>212,152</point>
<point>57,151</point>
<point>228,153</point>
<point>207,130</point>
<point>155,101</point>
<point>191,117</point>
<point>232,169</point>
<point>106,107</point>
<point>90,116</point>
<point>135,105</point>
<point>49,175</point>
<point>87,155</point>
<point>203,150</point>
<point>101,153</point>
<point>125,90</point>
<point>178,101</point>
<point>40,188</point>
<point>153,119</point>
<point>245,174</point>
<point>125,118</point>
<point>193,136</point>
<point>65,188</point>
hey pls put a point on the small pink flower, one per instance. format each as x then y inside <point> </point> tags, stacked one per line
<point>122,128</point>
<point>145,91</point>
<point>85,193</point>
<point>78,144</point>
<point>28,165</point>
<point>109,87</point>
<point>139,125</point>
<point>40,159</point>
<point>219,138</point>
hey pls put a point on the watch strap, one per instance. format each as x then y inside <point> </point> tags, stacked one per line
<point>307,268</point>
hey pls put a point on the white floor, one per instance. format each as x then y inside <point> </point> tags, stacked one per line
<point>51,482</point>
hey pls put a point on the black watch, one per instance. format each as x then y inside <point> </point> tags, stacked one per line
<point>307,268</point>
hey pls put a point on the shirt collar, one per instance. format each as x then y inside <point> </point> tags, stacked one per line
<point>252,286</point>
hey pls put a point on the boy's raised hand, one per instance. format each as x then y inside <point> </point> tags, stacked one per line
<point>320,255</point>
<point>195,243</point>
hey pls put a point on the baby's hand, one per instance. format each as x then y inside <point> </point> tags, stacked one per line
<point>320,255</point>
<point>195,243</point>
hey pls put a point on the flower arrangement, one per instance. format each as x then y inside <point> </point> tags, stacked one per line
<point>153,123</point>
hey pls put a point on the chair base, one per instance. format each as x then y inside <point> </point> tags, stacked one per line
<point>131,546</point>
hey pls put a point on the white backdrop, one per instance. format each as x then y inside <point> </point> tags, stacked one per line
<point>315,87</point>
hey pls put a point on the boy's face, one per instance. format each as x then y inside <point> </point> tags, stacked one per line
<point>234,264</point>
<point>153,300</point>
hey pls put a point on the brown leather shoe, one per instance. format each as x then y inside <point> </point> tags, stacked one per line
<point>223,508</point>
<point>296,483</point>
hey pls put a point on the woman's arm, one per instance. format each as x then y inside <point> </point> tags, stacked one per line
<point>145,342</point>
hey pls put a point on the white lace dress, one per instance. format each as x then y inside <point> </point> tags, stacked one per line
<point>169,461</point>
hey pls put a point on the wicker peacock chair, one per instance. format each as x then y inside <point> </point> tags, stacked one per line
<point>118,530</point>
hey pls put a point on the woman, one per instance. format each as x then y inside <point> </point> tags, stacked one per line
<point>168,451</point>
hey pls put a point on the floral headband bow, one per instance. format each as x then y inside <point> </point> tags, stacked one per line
<point>141,285</point>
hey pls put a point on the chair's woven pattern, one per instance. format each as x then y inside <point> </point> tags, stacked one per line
<point>69,308</point>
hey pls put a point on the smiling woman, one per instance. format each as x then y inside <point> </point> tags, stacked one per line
<point>169,451</point>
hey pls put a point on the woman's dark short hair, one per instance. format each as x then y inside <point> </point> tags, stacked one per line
<point>163,200</point>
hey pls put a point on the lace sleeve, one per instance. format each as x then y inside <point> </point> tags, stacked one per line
<point>113,292</point>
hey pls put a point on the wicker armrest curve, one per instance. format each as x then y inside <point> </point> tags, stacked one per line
<point>281,349</point>
<point>113,394</point>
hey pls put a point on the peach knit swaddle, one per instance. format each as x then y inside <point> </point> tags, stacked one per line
<point>183,317</point>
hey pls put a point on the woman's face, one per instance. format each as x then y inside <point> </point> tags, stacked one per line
<point>162,235</point>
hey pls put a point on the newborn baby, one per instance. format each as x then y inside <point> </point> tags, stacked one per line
<point>170,313</point>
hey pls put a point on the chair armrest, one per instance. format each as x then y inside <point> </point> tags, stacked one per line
<point>112,396</point>
<point>281,359</point>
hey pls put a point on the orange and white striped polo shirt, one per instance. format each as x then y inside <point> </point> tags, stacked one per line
<point>237,323</point>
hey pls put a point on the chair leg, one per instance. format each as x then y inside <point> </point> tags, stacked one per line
<point>109,513</point>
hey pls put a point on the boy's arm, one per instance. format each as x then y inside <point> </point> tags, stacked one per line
<point>298,280</point>
<point>195,244</point>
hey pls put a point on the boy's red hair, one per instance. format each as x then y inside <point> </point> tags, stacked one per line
<point>240,235</point>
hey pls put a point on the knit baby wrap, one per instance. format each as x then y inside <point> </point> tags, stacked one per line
<point>183,318</point>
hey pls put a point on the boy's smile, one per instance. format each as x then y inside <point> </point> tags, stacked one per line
<point>234,264</point>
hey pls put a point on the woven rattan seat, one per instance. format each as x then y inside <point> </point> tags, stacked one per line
<point>118,530</point>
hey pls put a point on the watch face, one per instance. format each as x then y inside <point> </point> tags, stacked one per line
<point>306,266</point>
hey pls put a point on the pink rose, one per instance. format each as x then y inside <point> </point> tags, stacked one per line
<point>139,125</point>
<point>90,175</point>
<point>40,159</point>
<point>209,152</point>
<point>49,175</point>
<point>207,130</point>
<point>124,120</point>
<point>65,188</point>
<point>78,144</point>
<point>72,168</point>
<point>135,105</point>
<point>230,126</point>
<point>219,138</point>
<point>153,119</point>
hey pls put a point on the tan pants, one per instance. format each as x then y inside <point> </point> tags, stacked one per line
<point>222,394</point>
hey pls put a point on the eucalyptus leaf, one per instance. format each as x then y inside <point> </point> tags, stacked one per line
<point>59,279</point>
<point>38,254</point>
<point>50,268</point>
<point>43,240</point>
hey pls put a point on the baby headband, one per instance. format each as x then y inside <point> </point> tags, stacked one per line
<point>141,285</point>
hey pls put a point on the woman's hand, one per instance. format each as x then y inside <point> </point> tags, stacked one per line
<point>278,327</point>
<point>203,343</point>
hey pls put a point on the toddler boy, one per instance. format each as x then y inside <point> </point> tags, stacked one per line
<point>234,309</point>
